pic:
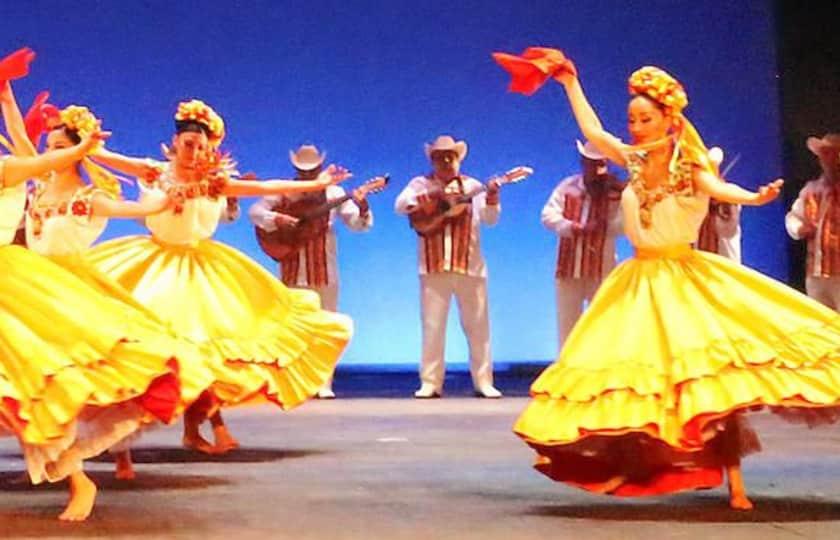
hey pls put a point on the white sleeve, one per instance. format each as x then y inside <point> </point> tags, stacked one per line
<point>407,199</point>
<point>552,213</point>
<point>261,214</point>
<point>489,214</point>
<point>795,218</point>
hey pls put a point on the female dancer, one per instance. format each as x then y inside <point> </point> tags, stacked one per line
<point>277,343</point>
<point>66,216</point>
<point>646,394</point>
<point>73,380</point>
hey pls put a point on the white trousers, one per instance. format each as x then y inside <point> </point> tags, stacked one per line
<point>571,295</point>
<point>825,290</point>
<point>329,302</point>
<point>436,292</point>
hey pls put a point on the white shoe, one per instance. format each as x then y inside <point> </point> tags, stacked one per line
<point>488,391</point>
<point>326,393</point>
<point>427,391</point>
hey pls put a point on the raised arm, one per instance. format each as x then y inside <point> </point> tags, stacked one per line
<point>13,119</point>
<point>132,166</point>
<point>256,188</point>
<point>18,169</point>
<point>731,193</point>
<point>588,121</point>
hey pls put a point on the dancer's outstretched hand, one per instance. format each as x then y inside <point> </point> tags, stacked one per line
<point>769,192</point>
<point>90,141</point>
<point>567,74</point>
<point>333,174</point>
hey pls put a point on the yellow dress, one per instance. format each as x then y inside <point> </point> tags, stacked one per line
<point>277,343</point>
<point>675,343</point>
<point>63,233</point>
<point>73,380</point>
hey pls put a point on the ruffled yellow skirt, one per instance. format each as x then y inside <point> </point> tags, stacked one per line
<point>650,382</point>
<point>276,343</point>
<point>74,379</point>
<point>194,372</point>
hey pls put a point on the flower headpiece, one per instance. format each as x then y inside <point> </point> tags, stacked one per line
<point>83,122</point>
<point>197,111</point>
<point>79,119</point>
<point>660,86</point>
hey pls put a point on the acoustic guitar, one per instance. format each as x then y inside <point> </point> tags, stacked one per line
<point>452,202</point>
<point>313,215</point>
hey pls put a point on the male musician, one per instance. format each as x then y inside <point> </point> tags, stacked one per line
<point>815,218</point>
<point>584,211</point>
<point>451,264</point>
<point>313,266</point>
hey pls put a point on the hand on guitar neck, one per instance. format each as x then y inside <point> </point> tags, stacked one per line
<point>437,206</point>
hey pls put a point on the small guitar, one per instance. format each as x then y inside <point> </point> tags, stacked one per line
<point>451,202</point>
<point>312,220</point>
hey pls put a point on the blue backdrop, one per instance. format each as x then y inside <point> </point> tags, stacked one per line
<point>370,82</point>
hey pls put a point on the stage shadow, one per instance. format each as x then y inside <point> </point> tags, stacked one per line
<point>106,522</point>
<point>146,480</point>
<point>165,454</point>
<point>699,510</point>
<point>183,455</point>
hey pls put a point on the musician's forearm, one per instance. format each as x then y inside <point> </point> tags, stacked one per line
<point>490,214</point>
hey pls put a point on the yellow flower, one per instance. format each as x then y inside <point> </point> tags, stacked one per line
<point>198,111</point>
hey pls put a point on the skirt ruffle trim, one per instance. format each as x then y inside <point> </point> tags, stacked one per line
<point>800,371</point>
<point>290,364</point>
<point>43,404</point>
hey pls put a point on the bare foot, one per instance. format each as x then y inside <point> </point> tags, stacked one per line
<point>82,497</point>
<point>198,443</point>
<point>739,501</point>
<point>224,440</point>
<point>609,486</point>
<point>125,469</point>
<point>541,460</point>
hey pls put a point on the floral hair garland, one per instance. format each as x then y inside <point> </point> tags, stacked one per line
<point>82,121</point>
<point>660,86</point>
<point>197,111</point>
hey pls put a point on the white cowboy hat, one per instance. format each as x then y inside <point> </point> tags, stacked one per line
<point>589,151</point>
<point>445,142</point>
<point>829,140</point>
<point>307,157</point>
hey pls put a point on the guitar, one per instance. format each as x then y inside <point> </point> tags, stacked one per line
<point>452,202</point>
<point>313,219</point>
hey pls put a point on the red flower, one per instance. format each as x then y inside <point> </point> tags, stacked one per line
<point>79,208</point>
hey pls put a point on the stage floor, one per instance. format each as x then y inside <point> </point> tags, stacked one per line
<point>406,469</point>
